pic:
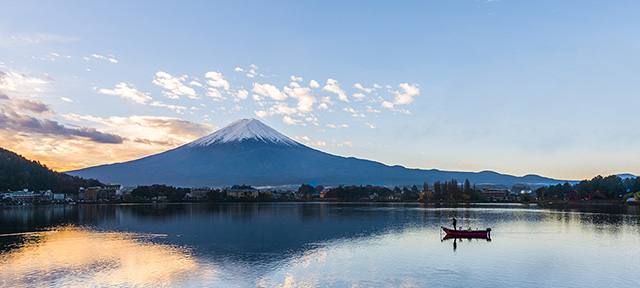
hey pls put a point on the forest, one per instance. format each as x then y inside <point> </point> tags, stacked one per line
<point>17,173</point>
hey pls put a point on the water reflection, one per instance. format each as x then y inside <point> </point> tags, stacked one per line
<point>72,256</point>
<point>312,244</point>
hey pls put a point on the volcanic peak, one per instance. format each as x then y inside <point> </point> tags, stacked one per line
<point>244,129</point>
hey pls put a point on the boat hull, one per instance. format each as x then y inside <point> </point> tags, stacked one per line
<point>467,233</point>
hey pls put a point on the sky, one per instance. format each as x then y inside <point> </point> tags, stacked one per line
<point>518,87</point>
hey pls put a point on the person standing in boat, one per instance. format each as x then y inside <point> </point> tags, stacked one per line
<point>454,223</point>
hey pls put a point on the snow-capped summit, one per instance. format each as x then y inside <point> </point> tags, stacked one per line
<point>244,129</point>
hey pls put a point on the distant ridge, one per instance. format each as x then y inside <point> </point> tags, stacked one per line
<point>249,152</point>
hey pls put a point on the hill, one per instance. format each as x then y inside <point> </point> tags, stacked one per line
<point>17,173</point>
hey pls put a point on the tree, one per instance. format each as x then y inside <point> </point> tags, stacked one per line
<point>467,186</point>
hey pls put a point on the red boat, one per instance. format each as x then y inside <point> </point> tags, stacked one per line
<point>467,233</point>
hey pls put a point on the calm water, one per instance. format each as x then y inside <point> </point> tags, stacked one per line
<point>316,245</point>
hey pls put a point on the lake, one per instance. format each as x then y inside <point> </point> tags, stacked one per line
<point>317,245</point>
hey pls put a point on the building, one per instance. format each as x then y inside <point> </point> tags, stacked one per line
<point>497,194</point>
<point>243,193</point>
<point>199,193</point>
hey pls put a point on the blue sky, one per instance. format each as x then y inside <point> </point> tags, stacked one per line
<point>518,87</point>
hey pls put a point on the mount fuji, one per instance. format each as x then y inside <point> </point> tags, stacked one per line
<point>250,152</point>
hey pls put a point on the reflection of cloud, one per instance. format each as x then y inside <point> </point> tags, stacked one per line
<point>76,257</point>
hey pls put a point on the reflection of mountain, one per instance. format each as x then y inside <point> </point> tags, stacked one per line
<point>250,152</point>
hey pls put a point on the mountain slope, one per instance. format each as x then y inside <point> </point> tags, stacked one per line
<point>250,152</point>
<point>17,173</point>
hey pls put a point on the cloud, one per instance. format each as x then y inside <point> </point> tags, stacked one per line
<point>179,109</point>
<point>289,121</point>
<point>216,80</point>
<point>314,84</point>
<point>35,106</point>
<point>261,114</point>
<point>3,96</point>
<point>268,90</point>
<point>238,69</point>
<point>359,96</point>
<point>371,110</point>
<point>337,126</point>
<point>33,39</point>
<point>242,94</point>
<point>279,108</point>
<point>214,93</point>
<point>196,83</point>
<point>359,86</point>
<point>174,85</point>
<point>371,125</point>
<point>110,59</point>
<point>142,136</point>
<point>323,106</point>
<point>297,79</point>
<point>308,141</point>
<point>305,99</point>
<point>406,96</point>
<point>387,104</point>
<point>334,87</point>
<point>18,122</point>
<point>47,76</point>
<point>353,112</point>
<point>131,93</point>
<point>13,82</point>
<point>176,131</point>
<point>65,99</point>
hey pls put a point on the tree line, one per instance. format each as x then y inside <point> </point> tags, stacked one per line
<point>598,188</point>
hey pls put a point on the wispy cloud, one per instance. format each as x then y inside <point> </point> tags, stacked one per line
<point>178,108</point>
<point>127,91</point>
<point>21,40</point>
<point>110,59</point>
<point>13,81</point>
